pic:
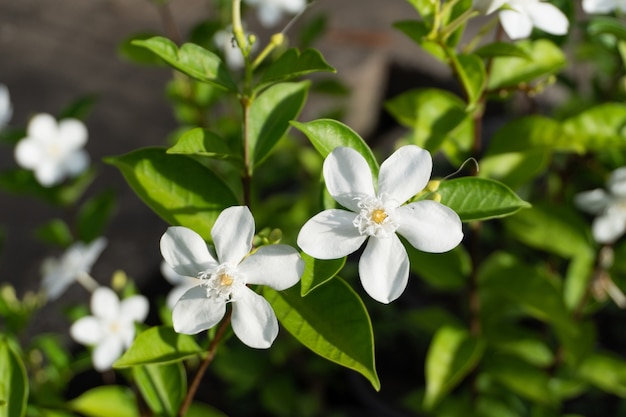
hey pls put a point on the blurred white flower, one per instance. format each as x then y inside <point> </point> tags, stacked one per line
<point>376,217</point>
<point>520,16</point>
<point>110,328</point>
<point>604,6</point>
<point>271,11</point>
<point>74,265</point>
<point>609,207</point>
<point>53,150</point>
<point>6,110</point>
<point>224,39</point>
<point>181,284</point>
<point>224,279</point>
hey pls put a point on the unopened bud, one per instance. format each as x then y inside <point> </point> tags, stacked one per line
<point>433,185</point>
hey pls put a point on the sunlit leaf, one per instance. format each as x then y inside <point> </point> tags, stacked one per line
<point>318,271</point>
<point>293,63</point>
<point>444,271</point>
<point>163,387</point>
<point>605,371</point>
<point>203,142</point>
<point>520,377</point>
<point>13,382</point>
<point>598,127</point>
<point>106,401</point>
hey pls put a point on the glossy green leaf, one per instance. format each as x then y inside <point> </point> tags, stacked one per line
<point>293,63</point>
<point>532,132</point>
<point>180,190</point>
<point>331,321</point>
<point>508,72</point>
<point>472,75</point>
<point>192,60</point>
<point>432,114</point>
<point>417,31</point>
<point>520,343</point>
<point>514,168</point>
<point>56,232</point>
<point>270,114</point>
<point>327,134</point>
<point>317,272</point>
<point>94,215</point>
<point>520,377</point>
<point>444,271</point>
<point>605,371</point>
<point>158,345</point>
<point>163,387</point>
<point>203,410</point>
<point>556,229</point>
<point>501,49</point>
<point>598,127</point>
<point>479,198</point>
<point>106,401</point>
<point>425,8</point>
<point>13,382</point>
<point>203,142</point>
<point>138,54</point>
<point>452,354</point>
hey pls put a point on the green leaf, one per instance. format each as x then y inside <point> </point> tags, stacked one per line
<point>472,74</point>
<point>293,63</point>
<point>556,229</point>
<point>452,354</point>
<point>203,410</point>
<point>270,114</point>
<point>417,31</point>
<point>203,142</point>
<point>192,60</point>
<point>532,132</point>
<point>433,115</point>
<point>508,72</point>
<point>158,345</point>
<point>94,216</point>
<point>479,198</point>
<point>520,377</point>
<point>327,134</point>
<point>138,54</point>
<point>605,371</point>
<point>444,271</point>
<point>317,272</point>
<point>579,272</point>
<point>603,25</point>
<point>13,382</point>
<point>520,343</point>
<point>106,401</point>
<point>599,127</point>
<point>79,108</point>
<point>331,321</point>
<point>502,49</point>
<point>55,232</point>
<point>515,168</point>
<point>163,387</point>
<point>179,189</point>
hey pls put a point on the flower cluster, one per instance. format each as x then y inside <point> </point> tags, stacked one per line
<point>271,11</point>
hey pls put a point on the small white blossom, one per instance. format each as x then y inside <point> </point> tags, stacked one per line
<point>224,39</point>
<point>53,150</point>
<point>181,284</point>
<point>376,217</point>
<point>609,207</point>
<point>604,6</point>
<point>519,17</point>
<point>74,265</point>
<point>271,11</point>
<point>111,327</point>
<point>6,110</point>
<point>224,278</point>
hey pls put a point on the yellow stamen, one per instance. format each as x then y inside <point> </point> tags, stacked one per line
<point>379,216</point>
<point>226,280</point>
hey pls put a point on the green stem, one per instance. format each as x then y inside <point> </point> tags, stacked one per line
<point>276,40</point>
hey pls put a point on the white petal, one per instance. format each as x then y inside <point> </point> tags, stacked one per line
<point>42,126</point>
<point>277,266</point>
<point>176,293</point>
<point>429,226</point>
<point>617,182</point>
<point>548,18</point>
<point>348,176</point>
<point>134,308</point>
<point>6,110</point>
<point>76,162</point>
<point>487,6</point>
<point>105,304</point>
<point>293,6</point>
<point>254,321</point>
<point>56,279</point>
<point>29,153</point>
<point>72,133</point>
<point>599,6</point>
<point>91,252</point>
<point>517,25</point>
<point>194,312</point>
<point>106,353</point>
<point>609,227</point>
<point>405,173</point>
<point>49,173</point>
<point>330,235</point>
<point>87,330</point>
<point>185,251</point>
<point>384,269</point>
<point>232,234</point>
<point>594,201</point>
<point>269,15</point>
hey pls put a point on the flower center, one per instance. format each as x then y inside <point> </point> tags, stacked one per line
<point>375,217</point>
<point>222,282</point>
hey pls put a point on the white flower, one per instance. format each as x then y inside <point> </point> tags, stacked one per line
<point>224,39</point>
<point>604,6</point>
<point>74,265</point>
<point>224,278</point>
<point>520,16</point>
<point>384,265</point>
<point>111,328</point>
<point>53,150</point>
<point>609,206</point>
<point>181,284</point>
<point>6,111</point>
<point>271,11</point>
